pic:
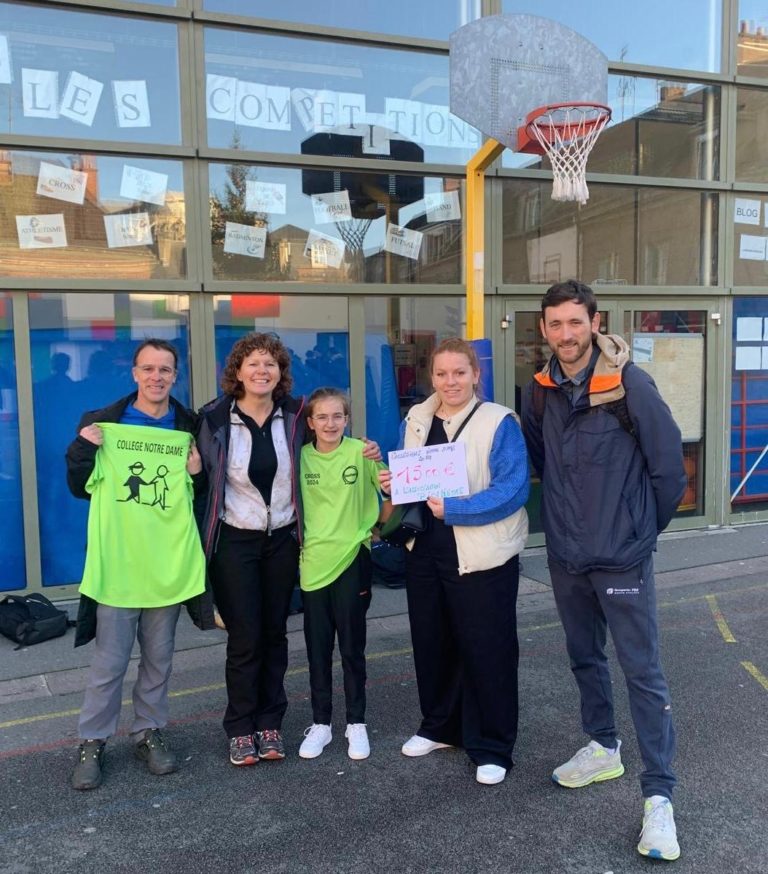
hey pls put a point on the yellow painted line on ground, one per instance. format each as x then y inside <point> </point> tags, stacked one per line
<point>761,678</point>
<point>720,619</point>
<point>26,720</point>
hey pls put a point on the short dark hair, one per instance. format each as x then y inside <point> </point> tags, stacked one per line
<point>162,345</point>
<point>325,393</point>
<point>571,290</point>
<point>255,341</point>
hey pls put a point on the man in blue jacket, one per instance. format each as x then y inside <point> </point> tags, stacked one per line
<point>609,455</point>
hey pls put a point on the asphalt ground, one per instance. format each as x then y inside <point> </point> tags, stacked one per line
<point>390,813</point>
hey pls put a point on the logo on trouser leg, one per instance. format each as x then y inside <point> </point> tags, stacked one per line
<point>634,590</point>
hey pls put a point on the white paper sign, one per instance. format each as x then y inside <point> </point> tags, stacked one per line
<point>61,183</point>
<point>376,139</point>
<point>128,229</point>
<point>338,112</point>
<point>6,70</point>
<point>401,241</point>
<point>303,101</point>
<point>220,97</point>
<point>145,185</point>
<point>752,248</point>
<point>442,206</point>
<point>245,240</point>
<point>749,328</point>
<point>331,207</point>
<point>429,471</point>
<point>39,93</point>
<point>131,103</point>
<point>642,349</point>
<point>41,231</point>
<point>265,197</point>
<point>264,106</point>
<point>81,98</point>
<point>748,358</point>
<point>746,212</point>
<point>323,250</point>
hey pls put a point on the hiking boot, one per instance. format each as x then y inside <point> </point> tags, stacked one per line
<point>242,750</point>
<point>357,735</point>
<point>153,750</point>
<point>316,739</point>
<point>87,773</point>
<point>421,746</point>
<point>658,838</point>
<point>270,744</point>
<point>590,764</point>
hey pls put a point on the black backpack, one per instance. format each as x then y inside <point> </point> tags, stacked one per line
<point>29,619</point>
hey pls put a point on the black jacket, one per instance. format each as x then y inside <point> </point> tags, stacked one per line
<point>81,457</point>
<point>213,444</point>
<point>606,493</point>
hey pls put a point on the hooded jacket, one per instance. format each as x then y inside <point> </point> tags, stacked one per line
<point>213,444</point>
<point>606,494</point>
<point>81,457</point>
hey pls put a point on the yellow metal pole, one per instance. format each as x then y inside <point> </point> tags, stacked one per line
<point>474,260</point>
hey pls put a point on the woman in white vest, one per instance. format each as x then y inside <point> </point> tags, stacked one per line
<point>462,571</point>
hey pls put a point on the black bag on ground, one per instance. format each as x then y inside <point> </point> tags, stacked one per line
<point>29,619</point>
<point>405,522</point>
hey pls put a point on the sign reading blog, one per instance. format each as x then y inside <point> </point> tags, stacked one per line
<point>746,211</point>
<point>430,471</point>
<point>324,251</point>
<point>6,71</point>
<point>145,185</point>
<point>128,229</point>
<point>265,197</point>
<point>331,207</point>
<point>245,240</point>
<point>41,231</point>
<point>61,183</point>
<point>401,241</point>
<point>442,206</point>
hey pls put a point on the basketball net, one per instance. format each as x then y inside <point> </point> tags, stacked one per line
<point>566,133</point>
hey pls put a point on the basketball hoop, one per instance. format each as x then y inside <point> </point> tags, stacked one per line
<point>566,133</point>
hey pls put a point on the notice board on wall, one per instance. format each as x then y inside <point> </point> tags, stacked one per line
<point>676,363</point>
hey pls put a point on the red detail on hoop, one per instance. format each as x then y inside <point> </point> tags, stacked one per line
<point>549,129</point>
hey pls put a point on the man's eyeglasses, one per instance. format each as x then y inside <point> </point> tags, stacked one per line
<point>323,418</point>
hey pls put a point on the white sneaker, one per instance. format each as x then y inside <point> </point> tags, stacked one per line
<point>357,735</point>
<point>590,764</point>
<point>421,746</point>
<point>316,739</point>
<point>658,838</point>
<point>490,774</point>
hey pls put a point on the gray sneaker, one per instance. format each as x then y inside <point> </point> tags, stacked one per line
<point>590,764</point>
<point>153,750</point>
<point>658,838</point>
<point>87,773</point>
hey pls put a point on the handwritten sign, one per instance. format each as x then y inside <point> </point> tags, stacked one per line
<point>439,471</point>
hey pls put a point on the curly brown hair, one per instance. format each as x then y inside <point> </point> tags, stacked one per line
<point>256,342</point>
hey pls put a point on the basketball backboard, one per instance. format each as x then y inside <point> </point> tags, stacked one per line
<point>504,66</point>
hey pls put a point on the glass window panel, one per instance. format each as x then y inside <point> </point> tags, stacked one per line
<point>315,225</point>
<point>400,334</point>
<point>85,216</point>
<point>11,517</point>
<point>752,39</point>
<point>279,94</point>
<point>749,405</point>
<point>750,218</point>
<point>638,32</point>
<point>658,128</point>
<point>751,135</point>
<point>315,329</point>
<point>623,236</point>
<point>432,19</point>
<point>82,353</point>
<point>88,76</point>
<point>671,346</point>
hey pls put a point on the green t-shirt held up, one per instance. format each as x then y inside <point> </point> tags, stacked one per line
<point>340,495</point>
<point>143,546</point>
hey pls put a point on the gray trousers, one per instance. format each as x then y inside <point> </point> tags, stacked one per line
<point>625,602</point>
<point>116,630</point>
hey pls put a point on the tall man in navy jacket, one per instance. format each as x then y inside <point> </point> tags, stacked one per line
<point>609,456</point>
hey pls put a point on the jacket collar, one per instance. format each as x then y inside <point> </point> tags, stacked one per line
<point>605,380</point>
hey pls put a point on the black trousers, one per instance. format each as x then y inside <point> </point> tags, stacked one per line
<point>253,576</point>
<point>339,608</point>
<point>465,649</point>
